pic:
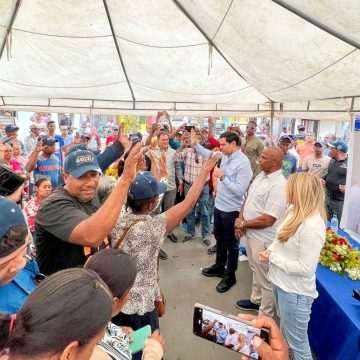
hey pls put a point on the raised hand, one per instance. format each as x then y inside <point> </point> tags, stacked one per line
<point>163,170</point>
<point>193,139</point>
<point>129,173</point>
<point>122,138</point>
<point>211,162</point>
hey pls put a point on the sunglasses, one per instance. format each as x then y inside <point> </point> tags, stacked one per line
<point>250,127</point>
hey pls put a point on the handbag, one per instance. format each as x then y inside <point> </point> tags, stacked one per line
<point>160,305</point>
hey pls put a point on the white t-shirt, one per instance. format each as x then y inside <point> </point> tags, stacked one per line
<point>231,339</point>
<point>293,263</point>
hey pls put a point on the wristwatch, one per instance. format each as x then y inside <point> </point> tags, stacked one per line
<point>221,178</point>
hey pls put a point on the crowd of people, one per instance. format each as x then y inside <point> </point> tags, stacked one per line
<point>92,218</point>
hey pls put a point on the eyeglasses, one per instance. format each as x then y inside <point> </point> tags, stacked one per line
<point>250,127</point>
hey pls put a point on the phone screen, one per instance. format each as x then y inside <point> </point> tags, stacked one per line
<point>189,127</point>
<point>226,331</point>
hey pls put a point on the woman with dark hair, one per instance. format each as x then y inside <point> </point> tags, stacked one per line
<point>64,318</point>
<point>141,236</point>
<point>42,191</point>
<point>116,339</point>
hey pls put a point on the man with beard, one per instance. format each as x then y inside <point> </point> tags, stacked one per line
<point>70,223</point>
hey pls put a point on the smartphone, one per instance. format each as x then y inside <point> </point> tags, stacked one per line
<point>227,330</point>
<point>139,337</point>
<point>9,181</point>
<point>189,127</point>
<point>234,128</point>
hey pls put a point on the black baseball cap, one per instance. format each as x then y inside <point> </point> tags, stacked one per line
<point>48,141</point>
<point>285,138</point>
<point>77,163</point>
<point>318,142</point>
<point>145,186</point>
<point>11,128</point>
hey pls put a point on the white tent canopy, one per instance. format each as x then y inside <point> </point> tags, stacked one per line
<point>246,57</point>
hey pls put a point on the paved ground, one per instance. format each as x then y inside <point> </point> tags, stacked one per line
<point>183,284</point>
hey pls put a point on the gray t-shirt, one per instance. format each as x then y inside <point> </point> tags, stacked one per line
<point>317,166</point>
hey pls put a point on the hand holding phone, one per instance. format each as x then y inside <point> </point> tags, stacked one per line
<point>139,337</point>
<point>229,331</point>
<point>276,347</point>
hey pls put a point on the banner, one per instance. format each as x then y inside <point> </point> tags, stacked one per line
<point>350,220</point>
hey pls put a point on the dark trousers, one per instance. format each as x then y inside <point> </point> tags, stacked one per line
<point>227,244</point>
<point>136,321</point>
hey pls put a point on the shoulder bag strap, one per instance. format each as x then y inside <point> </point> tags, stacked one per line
<point>123,235</point>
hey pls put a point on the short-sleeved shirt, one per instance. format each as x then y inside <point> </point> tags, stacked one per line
<point>49,167</point>
<point>317,166</point>
<point>14,294</point>
<point>336,176</point>
<point>253,149</point>
<point>67,140</point>
<point>304,150</point>
<point>289,165</point>
<point>266,196</point>
<point>142,243</point>
<point>57,217</point>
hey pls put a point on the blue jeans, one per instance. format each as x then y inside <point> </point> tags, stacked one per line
<point>294,312</point>
<point>204,212</point>
<point>227,244</point>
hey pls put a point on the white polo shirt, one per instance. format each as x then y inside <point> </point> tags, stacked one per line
<point>266,196</point>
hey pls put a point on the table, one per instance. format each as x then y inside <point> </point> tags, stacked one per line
<point>334,328</point>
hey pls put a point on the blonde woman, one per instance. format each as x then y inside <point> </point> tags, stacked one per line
<point>293,258</point>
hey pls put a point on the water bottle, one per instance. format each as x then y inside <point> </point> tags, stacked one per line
<point>334,224</point>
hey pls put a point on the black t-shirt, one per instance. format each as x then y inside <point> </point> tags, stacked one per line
<point>57,217</point>
<point>336,176</point>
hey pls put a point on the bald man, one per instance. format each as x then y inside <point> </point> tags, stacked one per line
<point>257,222</point>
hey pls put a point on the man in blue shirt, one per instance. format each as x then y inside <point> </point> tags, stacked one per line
<point>234,175</point>
<point>17,276</point>
<point>221,334</point>
<point>43,161</point>
<point>289,162</point>
<point>51,127</point>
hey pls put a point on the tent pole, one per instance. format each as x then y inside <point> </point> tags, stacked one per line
<point>8,30</point>
<point>317,23</point>
<point>271,123</point>
<point>118,51</point>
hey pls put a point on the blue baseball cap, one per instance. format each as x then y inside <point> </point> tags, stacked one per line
<point>340,145</point>
<point>145,186</point>
<point>77,163</point>
<point>10,216</point>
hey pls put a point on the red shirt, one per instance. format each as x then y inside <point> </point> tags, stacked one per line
<point>110,139</point>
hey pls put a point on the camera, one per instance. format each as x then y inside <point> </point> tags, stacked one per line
<point>9,181</point>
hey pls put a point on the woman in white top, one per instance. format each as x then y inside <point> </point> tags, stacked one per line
<point>293,258</point>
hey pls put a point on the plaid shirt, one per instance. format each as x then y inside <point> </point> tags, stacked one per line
<point>193,162</point>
